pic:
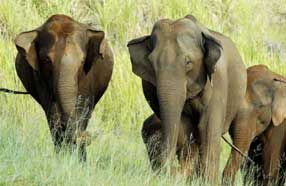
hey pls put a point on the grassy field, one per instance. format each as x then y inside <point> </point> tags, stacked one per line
<point>116,155</point>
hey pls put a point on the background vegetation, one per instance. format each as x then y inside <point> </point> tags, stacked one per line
<point>117,155</point>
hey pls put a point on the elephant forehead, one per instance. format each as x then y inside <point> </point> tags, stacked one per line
<point>54,33</point>
<point>59,17</point>
<point>60,25</point>
<point>182,33</point>
<point>186,27</point>
<point>164,25</point>
<point>66,50</point>
<point>180,25</point>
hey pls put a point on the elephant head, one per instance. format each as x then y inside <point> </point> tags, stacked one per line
<point>61,51</point>
<point>179,57</point>
<point>270,92</point>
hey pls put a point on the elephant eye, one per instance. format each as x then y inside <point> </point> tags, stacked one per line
<point>188,62</point>
<point>189,65</point>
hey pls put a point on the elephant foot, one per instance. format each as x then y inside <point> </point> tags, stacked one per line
<point>82,153</point>
<point>186,169</point>
<point>83,140</point>
<point>170,170</point>
<point>228,176</point>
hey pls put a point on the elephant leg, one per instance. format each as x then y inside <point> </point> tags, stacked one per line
<point>242,132</point>
<point>57,128</point>
<point>210,130</point>
<point>271,168</point>
<point>152,137</point>
<point>83,140</point>
<point>282,172</point>
<point>252,171</point>
<point>188,158</point>
<point>188,154</point>
<point>78,136</point>
<point>271,154</point>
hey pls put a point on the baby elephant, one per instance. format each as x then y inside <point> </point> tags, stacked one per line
<point>66,66</point>
<point>262,112</point>
<point>186,149</point>
<point>268,153</point>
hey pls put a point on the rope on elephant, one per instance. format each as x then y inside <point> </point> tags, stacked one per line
<point>237,150</point>
<point>12,91</point>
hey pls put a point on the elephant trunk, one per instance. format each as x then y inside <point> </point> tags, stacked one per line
<point>67,91</point>
<point>171,95</point>
<point>67,87</point>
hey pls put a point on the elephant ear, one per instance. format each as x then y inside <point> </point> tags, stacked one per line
<point>210,46</point>
<point>139,50</point>
<point>279,102</point>
<point>25,44</point>
<point>212,53</point>
<point>95,47</point>
<point>192,18</point>
<point>262,92</point>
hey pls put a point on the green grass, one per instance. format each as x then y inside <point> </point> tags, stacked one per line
<point>116,155</point>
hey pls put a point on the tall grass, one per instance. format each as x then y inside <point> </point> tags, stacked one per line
<point>117,155</point>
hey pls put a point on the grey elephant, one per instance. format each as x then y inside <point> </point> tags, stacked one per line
<point>66,66</point>
<point>187,68</point>
<point>262,114</point>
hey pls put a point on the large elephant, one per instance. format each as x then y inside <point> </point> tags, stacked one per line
<point>187,68</point>
<point>66,67</point>
<point>262,113</point>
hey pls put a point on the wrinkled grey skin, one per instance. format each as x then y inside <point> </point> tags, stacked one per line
<point>186,68</point>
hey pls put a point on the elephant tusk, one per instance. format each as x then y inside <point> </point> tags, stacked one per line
<point>238,150</point>
<point>12,91</point>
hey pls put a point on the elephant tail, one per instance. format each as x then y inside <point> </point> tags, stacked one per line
<point>12,91</point>
<point>238,150</point>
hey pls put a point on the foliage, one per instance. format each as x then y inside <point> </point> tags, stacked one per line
<point>117,155</point>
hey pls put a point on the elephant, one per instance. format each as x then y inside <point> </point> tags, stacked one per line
<point>186,150</point>
<point>187,68</point>
<point>261,113</point>
<point>66,67</point>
